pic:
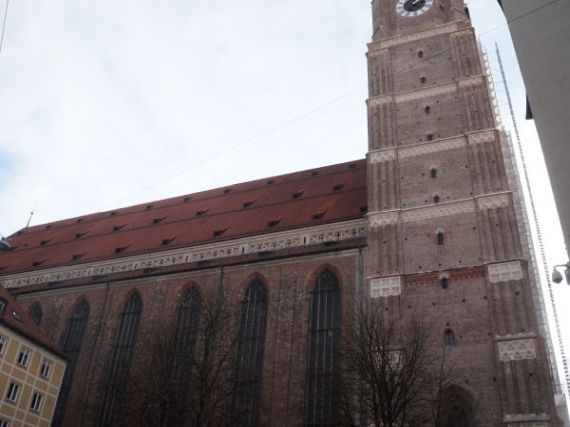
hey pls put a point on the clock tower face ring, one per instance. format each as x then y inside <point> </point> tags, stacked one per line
<point>411,8</point>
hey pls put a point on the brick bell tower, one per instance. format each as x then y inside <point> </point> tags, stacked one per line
<point>443,239</point>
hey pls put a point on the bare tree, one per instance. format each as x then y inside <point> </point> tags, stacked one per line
<point>181,377</point>
<point>393,375</point>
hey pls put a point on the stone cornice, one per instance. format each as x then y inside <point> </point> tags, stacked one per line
<point>421,213</point>
<point>249,245</point>
<point>473,138</point>
<point>427,92</point>
<point>452,27</point>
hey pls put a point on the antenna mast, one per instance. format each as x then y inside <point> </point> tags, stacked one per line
<point>535,219</point>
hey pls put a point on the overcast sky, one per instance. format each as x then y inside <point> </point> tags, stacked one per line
<point>116,102</point>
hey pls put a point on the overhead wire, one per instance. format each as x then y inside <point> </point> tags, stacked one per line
<point>4,25</point>
<point>318,108</point>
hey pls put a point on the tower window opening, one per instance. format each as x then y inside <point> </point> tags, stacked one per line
<point>436,199</point>
<point>427,109</point>
<point>433,173</point>
<point>440,238</point>
<point>423,79</point>
<point>429,137</point>
<point>420,54</point>
<point>449,338</point>
<point>444,282</point>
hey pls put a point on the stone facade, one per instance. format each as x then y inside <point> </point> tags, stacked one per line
<point>439,242</point>
<point>288,283</point>
<point>444,189</point>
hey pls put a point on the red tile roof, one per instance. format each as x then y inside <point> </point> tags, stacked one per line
<point>302,199</point>
<point>14,317</point>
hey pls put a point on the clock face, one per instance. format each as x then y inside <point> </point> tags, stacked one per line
<point>411,8</point>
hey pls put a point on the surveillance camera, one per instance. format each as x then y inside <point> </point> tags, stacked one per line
<point>557,277</point>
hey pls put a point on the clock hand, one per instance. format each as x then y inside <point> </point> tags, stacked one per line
<point>414,2</point>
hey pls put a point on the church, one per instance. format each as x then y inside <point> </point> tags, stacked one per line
<point>430,224</point>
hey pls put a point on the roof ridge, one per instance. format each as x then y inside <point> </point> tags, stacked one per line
<point>156,226</point>
<point>38,229</point>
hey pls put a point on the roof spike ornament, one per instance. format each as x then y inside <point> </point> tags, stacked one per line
<point>31,215</point>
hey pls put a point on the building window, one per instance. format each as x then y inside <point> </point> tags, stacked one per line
<point>436,199</point>
<point>12,394</point>
<point>449,338</point>
<point>120,360</point>
<point>187,323</point>
<point>324,351</point>
<point>251,341</point>
<point>35,313</point>
<point>4,423</point>
<point>23,357</point>
<point>3,305</point>
<point>444,282</point>
<point>440,238</point>
<point>70,346</point>
<point>36,403</point>
<point>433,173</point>
<point>45,368</point>
<point>3,342</point>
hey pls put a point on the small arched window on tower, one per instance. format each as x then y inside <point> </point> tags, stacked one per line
<point>433,173</point>
<point>420,54</point>
<point>444,281</point>
<point>436,198</point>
<point>427,109</point>
<point>440,238</point>
<point>449,338</point>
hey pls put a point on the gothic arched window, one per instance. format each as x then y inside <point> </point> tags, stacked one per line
<point>449,338</point>
<point>187,322</point>
<point>120,361</point>
<point>70,346</point>
<point>323,366</point>
<point>251,340</point>
<point>35,312</point>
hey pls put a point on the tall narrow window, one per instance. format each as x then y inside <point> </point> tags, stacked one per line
<point>120,360</point>
<point>187,322</point>
<point>251,342</point>
<point>70,345</point>
<point>324,352</point>
<point>35,313</point>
